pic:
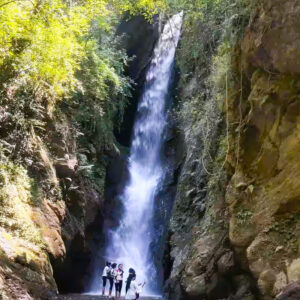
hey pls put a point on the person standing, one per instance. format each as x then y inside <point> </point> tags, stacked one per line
<point>119,281</point>
<point>105,274</point>
<point>139,289</point>
<point>129,278</point>
<point>131,293</point>
<point>111,278</point>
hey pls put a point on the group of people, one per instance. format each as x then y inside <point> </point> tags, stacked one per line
<point>114,275</point>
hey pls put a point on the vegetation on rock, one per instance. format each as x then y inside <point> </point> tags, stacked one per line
<point>243,67</point>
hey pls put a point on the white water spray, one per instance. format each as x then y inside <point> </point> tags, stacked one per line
<point>130,243</point>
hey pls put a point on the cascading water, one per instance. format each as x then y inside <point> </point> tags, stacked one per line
<point>130,243</point>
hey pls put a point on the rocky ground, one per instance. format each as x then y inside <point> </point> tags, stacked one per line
<point>86,297</point>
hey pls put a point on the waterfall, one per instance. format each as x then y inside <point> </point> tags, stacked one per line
<point>130,243</point>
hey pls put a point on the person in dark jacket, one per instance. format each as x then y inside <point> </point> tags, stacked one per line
<point>111,278</point>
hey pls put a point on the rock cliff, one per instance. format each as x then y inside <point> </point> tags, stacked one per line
<point>47,205</point>
<point>262,195</point>
<point>235,225</point>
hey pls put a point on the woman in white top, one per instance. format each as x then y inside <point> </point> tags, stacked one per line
<point>131,293</point>
<point>134,290</point>
<point>105,274</point>
<point>139,290</point>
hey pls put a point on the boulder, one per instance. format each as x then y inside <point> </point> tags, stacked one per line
<point>291,292</point>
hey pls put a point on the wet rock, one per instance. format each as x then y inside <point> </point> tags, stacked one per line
<point>191,193</point>
<point>226,263</point>
<point>138,38</point>
<point>66,167</point>
<point>293,270</point>
<point>244,287</point>
<point>280,283</point>
<point>196,287</point>
<point>291,292</point>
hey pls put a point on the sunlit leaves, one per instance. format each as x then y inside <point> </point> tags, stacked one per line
<point>39,39</point>
<point>144,7</point>
<point>45,42</point>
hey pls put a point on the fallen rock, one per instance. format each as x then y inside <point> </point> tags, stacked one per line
<point>293,271</point>
<point>291,292</point>
<point>66,168</point>
<point>226,263</point>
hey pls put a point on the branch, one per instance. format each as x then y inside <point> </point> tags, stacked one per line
<point>6,3</point>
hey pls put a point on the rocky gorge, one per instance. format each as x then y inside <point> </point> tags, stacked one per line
<point>232,158</point>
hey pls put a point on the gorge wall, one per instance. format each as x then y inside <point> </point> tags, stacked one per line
<point>235,225</point>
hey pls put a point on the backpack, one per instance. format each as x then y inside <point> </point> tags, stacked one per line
<point>109,272</point>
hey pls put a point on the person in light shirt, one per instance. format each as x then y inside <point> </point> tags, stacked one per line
<point>119,281</point>
<point>134,290</point>
<point>139,289</point>
<point>105,275</point>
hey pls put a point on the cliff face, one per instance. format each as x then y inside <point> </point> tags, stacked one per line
<point>47,202</point>
<point>235,225</point>
<point>263,193</point>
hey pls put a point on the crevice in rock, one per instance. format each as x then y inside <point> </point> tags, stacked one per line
<point>138,38</point>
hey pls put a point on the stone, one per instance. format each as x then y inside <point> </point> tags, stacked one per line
<point>293,271</point>
<point>266,281</point>
<point>196,286</point>
<point>272,40</point>
<point>280,283</point>
<point>269,147</point>
<point>291,292</point>
<point>226,263</point>
<point>66,168</point>
<point>242,284</point>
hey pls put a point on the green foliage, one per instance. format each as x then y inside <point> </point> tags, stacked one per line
<point>143,7</point>
<point>34,192</point>
<point>62,50</point>
<point>38,42</point>
<point>44,43</point>
<point>244,216</point>
<point>104,91</point>
<point>57,56</point>
<point>220,71</point>
<point>207,24</point>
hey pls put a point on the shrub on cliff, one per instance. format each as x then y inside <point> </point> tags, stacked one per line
<point>44,43</point>
<point>60,50</point>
